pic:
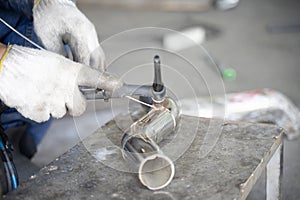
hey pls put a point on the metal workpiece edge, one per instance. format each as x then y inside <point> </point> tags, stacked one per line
<point>277,147</point>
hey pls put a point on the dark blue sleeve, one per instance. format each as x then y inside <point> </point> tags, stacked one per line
<point>21,6</point>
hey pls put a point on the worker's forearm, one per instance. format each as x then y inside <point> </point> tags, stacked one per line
<point>2,50</point>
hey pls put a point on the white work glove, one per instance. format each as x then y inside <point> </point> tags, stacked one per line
<point>59,22</point>
<point>39,83</point>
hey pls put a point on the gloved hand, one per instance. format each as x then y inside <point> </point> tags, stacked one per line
<point>59,22</point>
<point>39,83</point>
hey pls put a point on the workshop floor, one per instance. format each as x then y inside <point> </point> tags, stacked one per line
<point>262,60</point>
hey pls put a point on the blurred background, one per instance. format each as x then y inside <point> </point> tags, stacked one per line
<point>259,39</point>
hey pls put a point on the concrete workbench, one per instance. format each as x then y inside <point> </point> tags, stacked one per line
<point>241,152</point>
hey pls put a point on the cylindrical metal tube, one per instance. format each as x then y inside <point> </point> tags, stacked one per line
<point>140,145</point>
<point>155,170</point>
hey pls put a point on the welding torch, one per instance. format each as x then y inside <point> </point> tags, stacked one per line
<point>157,90</point>
<point>140,142</point>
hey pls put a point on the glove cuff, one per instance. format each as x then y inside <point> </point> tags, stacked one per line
<point>8,48</point>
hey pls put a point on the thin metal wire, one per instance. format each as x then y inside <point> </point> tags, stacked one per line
<point>21,35</point>
<point>138,101</point>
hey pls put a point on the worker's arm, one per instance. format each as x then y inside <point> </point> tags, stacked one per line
<point>60,22</point>
<point>39,83</point>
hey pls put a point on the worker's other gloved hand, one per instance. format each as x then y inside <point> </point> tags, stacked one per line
<point>39,83</point>
<point>59,22</point>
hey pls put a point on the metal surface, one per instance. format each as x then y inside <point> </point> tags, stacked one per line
<point>241,150</point>
<point>274,172</point>
<point>266,164</point>
<point>140,141</point>
<point>140,145</point>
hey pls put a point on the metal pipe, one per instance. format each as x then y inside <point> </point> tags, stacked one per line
<point>140,145</point>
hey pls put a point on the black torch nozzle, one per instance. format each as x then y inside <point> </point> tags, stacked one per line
<point>158,85</point>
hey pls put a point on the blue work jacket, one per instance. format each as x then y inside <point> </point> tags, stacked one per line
<point>17,13</point>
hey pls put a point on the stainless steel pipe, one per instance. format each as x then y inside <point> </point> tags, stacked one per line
<point>140,145</point>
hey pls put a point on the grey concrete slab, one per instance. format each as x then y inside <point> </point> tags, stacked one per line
<point>228,171</point>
